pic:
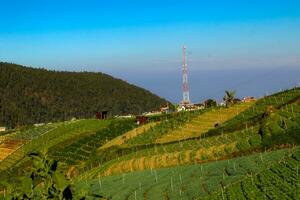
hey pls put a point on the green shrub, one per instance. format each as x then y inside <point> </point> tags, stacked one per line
<point>255,140</point>
<point>243,145</point>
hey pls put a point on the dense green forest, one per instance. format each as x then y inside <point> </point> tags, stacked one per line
<point>29,95</point>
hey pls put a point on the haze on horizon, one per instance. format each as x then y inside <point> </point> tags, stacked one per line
<point>229,42</point>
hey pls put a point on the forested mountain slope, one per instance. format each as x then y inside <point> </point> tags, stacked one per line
<point>29,95</point>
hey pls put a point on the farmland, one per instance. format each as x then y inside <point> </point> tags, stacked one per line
<point>187,182</point>
<point>253,151</point>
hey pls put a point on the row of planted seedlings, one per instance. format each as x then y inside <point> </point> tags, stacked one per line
<point>280,180</point>
<point>184,182</point>
<point>255,140</point>
<point>34,138</point>
<point>83,150</point>
<point>32,132</point>
<point>65,132</point>
<point>171,123</point>
<point>15,164</point>
<point>242,145</point>
<point>282,126</point>
<point>61,133</point>
<point>167,122</point>
<point>26,135</point>
<point>187,151</point>
<point>254,114</point>
<point>152,149</point>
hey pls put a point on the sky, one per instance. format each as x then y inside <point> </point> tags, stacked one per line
<point>140,41</point>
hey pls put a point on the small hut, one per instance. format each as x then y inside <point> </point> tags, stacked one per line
<point>101,115</point>
<point>140,120</point>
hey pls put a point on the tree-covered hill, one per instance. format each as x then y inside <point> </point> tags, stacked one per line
<point>29,95</point>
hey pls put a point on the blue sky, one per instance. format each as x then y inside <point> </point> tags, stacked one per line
<point>139,37</point>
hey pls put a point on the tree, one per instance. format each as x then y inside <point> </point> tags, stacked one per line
<point>210,103</point>
<point>229,97</point>
<point>29,96</point>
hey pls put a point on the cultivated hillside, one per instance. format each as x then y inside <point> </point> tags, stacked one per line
<point>253,153</point>
<point>30,95</point>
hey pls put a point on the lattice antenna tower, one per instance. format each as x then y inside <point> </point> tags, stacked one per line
<point>185,84</point>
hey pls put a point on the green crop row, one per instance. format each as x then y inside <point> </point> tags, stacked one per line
<point>281,181</point>
<point>44,141</point>
<point>65,132</point>
<point>33,132</point>
<point>253,115</point>
<point>249,137</point>
<point>84,148</point>
<point>182,182</point>
<point>171,123</point>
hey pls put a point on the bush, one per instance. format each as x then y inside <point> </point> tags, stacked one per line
<point>255,140</point>
<point>243,145</point>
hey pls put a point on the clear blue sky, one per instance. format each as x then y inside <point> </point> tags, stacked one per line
<point>146,36</point>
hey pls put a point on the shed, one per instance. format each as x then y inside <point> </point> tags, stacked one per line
<point>101,115</point>
<point>140,120</point>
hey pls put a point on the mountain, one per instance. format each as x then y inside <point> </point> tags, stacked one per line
<point>29,95</point>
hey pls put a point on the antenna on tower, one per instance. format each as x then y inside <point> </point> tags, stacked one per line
<point>185,84</point>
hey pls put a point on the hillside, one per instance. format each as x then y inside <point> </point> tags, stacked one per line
<point>253,152</point>
<point>29,95</point>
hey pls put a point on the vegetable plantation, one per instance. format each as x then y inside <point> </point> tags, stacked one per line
<point>185,182</point>
<point>241,151</point>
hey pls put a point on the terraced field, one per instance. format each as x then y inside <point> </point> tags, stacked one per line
<point>280,181</point>
<point>44,137</point>
<point>186,182</point>
<point>64,132</point>
<point>214,144</point>
<point>83,149</point>
<point>172,122</point>
<point>202,123</point>
<point>174,154</point>
<point>252,153</point>
<point>127,136</point>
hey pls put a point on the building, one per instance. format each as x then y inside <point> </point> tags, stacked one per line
<point>101,115</point>
<point>248,99</point>
<point>39,124</point>
<point>140,120</point>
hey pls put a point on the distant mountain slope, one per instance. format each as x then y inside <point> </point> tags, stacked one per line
<point>29,95</point>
